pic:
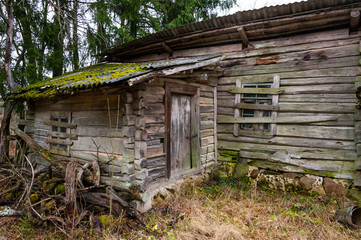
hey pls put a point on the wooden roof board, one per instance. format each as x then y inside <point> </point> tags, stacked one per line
<point>237,19</point>
<point>101,74</point>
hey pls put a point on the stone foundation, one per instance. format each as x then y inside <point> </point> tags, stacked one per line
<point>305,182</point>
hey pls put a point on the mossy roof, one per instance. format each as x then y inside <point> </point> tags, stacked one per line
<point>96,76</point>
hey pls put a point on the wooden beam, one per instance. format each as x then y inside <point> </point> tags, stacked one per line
<point>257,106</point>
<point>60,124</point>
<point>256,90</point>
<point>59,141</point>
<point>243,36</point>
<point>293,119</point>
<point>354,20</point>
<point>167,48</point>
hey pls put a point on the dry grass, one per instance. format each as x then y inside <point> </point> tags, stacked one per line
<point>229,210</point>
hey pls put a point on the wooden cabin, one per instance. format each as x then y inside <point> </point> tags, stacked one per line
<point>274,86</point>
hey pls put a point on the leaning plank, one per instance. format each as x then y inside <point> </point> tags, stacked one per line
<point>297,119</point>
<point>257,90</point>
<point>256,106</point>
<point>36,147</point>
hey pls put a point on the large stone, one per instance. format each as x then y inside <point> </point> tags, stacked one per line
<point>241,169</point>
<point>254,173</point>
<point>333,188</point>
<point>307,182</point>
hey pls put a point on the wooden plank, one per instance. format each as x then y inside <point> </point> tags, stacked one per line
<point>59,141</point>
<point>315,73</point>
<point>91,155</point>
<point>256,90</point>
<point>60,124</point>
<point>319,98</point>
<point>298,119</point>
<point>323,132</point>
<point>294,47</point>
<point>294,152</point>
<point>321,89</point>
<point>215,121</point>
<point>92,131</point>
<point>342,119</point>
<point>59,135</point>
<point>291,141</point>
<point>275,98</point>
<point>237,112</point>
<point>300,56</point>
<point>256,106</point>
<point>292,66</point>
<point>317,107</point>
<point>180,132</point>
<point>309,37</point>
<point>106,145</point>
<point>317,81</point>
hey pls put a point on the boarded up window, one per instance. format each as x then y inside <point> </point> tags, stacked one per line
<point>256,98</point>
<point>258,101</point>
<point>59,135</point>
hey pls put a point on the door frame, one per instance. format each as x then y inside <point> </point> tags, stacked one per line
<point>194,92</point>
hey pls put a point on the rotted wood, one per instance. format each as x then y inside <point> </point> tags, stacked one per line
<point>354,20</point>
<point>70,180</point>
<point>167,48</point>
<point>243,36</point>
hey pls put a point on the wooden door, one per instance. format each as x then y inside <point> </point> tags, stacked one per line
<point>180,134</point>
<point>182,123</point>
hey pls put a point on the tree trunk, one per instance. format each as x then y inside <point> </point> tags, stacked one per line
<point>75,36</point>
<point>9,106</point>
<point>21,10</point>
<point>58,51</point>
<point>9,43</point>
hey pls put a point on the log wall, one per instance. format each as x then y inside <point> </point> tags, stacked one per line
<point>150,134</point>
<point>317,74</point>
<point>99,130</point>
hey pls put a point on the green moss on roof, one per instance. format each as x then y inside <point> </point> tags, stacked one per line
<point>89,77</point>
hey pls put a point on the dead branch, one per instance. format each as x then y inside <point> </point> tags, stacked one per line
<point>36,147</point>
